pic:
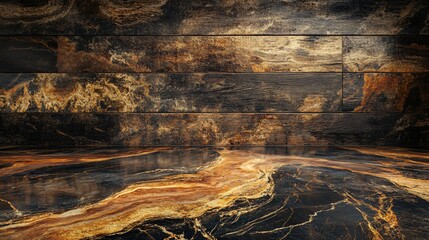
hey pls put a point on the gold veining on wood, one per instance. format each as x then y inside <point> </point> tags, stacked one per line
<point>200,54</point>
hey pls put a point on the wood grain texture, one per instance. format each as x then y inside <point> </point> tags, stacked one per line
<point>28,54</point>
<point>158,17</point>
<point>386,54</point>
<point>386,92</point>
<point>274,92</point>
<point>215,129</point>
<point>228,72</point>
<point>176,54</point>
<point>199,54</point>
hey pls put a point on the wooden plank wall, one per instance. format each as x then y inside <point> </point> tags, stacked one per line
<point>228,72</point>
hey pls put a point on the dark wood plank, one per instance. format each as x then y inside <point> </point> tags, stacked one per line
<point>386,54</point>
<point>199,54</point>
<point>275,92</point>
<point>386,92</point>
<point>69,17</point>
<point>28,54</point>
<point>174,54</point>
<point>215,129</point>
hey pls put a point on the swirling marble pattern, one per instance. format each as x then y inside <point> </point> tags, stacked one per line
<point>215,193</point>
<point>166,17</point>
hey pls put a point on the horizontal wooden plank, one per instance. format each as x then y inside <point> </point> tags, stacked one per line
<point>386,54</point>
<point>215,129</point>
<point>213,17</point>
<point>176,54</point>
<point>85,92</point>
<point>199,54</point>
<point>386,92</point>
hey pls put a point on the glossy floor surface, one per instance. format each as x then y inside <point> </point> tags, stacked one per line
<point>214,193</point>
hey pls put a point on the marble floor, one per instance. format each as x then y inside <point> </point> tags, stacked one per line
<point>214,193</point>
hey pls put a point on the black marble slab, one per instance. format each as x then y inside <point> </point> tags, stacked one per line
<point>214,193</point>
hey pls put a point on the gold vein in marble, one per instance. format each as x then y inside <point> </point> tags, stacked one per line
<point>31,161</point>
<point>236,175</point>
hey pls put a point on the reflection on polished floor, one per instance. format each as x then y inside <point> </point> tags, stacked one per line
<point>214,193</point>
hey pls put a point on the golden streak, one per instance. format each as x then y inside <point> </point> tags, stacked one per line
<point>237,174</point>
<point>31,161</point>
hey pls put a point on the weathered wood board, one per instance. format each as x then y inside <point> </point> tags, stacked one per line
<point>386,92</point>
<point>386,54</point>
<point>171,54</point>
<point>167,17</point>
<point>214,129</point>
<point>114,92</point>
